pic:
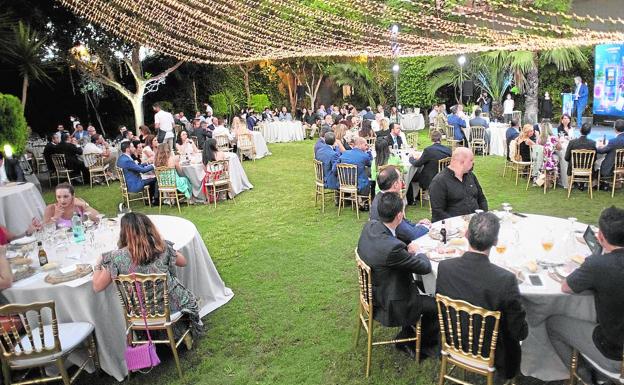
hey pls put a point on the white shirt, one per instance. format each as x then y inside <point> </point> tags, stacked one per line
<point>165,122</point>
<point>209,109</point>
<point>91,148</point>
<point>3,176</point>
<point>577,92</point>
<point>221,130</point>
<point>508,106</point>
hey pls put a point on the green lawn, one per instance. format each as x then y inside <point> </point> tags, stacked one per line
<point>292,271</point>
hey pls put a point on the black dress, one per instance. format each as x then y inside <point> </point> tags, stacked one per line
<point>525,152</point>
<point>547,109</point>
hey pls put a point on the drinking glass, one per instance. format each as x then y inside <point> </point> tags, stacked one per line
<point>548,242</point>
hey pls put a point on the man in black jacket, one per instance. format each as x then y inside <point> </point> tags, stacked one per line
<point>429,160</point>
<point>394,136</point>
<point>581,143</point>
<point>71,152</point>
<point>397,301</point>
<point>49,149</point>
<point>456,190</point>
<point>472,278</point>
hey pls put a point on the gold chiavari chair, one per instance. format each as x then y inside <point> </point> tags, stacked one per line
<point>524,169</point>
<point>28,342</point>
<point>508,163</point>
<point>128,196</point>
<point>348,191</point>
<point>155,298</point>
<point>582,163</point>
<point>444,163</point>
<point>450,137</point>
<point>616,378</point>
<point>477,139</point>
<point>62,172</point>
<point>167,188</point>
<point>458,320</point>
<point>412,139</point>
<point>245,146</point>
<point>424,194</point>
<point>96,166</point>
<point>223,143</point>
<point>320,190</point>
<point>618,171</point>
<point>365,315</point>
<point>39,161</point>
<point>217,179</point>
<point>371,141</point>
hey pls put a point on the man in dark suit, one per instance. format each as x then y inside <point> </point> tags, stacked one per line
<point>362,158</point>
<point>251,119</point>
<point>49,149</point>
<point>512,133</point>
<point>456,119</point>
<point>71,152</point>
<point>479,121</point>
<point>581,143</point>
<point>394,136</point>
<point>329,157</point>
<point>396,299</point>
<point>200,130</point>
<point>472,278</point>
<point>581,94</point>
<point>606,168</point>
<point>11,170</point>
<point>428,160</point>
<point>132,172</point>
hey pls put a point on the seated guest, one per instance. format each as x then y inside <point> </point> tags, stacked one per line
<point>456,190</point>
<point>389,181</point>
<point>132,172</point>
<point>328,122</point>
<point>394,137</point>
<point>142,250</point>
<point>329,157</point>
<point>525,143</point>
<point>479,121</point>
<point>200,131</point>
<point>185,145</point>
<point>360,157</point>
<point>91,131</point>
<point>474,279</point>
<point>581,143</point>
<point>267,115</point>
<point>211,152</point>
<point>165,158</point>
<point>433,114</point>
<point>71,150</point>
<point>321,141</point>
<point>66,205</point>
<point>383,157</point>
<point>384,129</point>
<point>284,115</point>
<point>121,136</point>
<point>309,122</point>
<point>565,126</point>
<point>220,129</point>
<point>608,164</point>
<point>10,170</point>
<point>428,160</point>
<point>79,132</point>
<point>149,151</point>
<point>250,119</point>
<point>6,274</point>
<point>342,145</point>
<point>49,149</point>
<point>367,130</point>
<point>456,119</point>
<point>601,340</point>
<point>238,127</point>
<point>145,131</point>
<point>396,298</point>
<point>512,133</point>
<point>368,114</point>
<point>395,116</point>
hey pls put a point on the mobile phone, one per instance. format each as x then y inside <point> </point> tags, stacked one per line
<point>535,280</point>
<point>519,215</point>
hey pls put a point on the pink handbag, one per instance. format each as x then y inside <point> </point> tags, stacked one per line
<point>144,355</point>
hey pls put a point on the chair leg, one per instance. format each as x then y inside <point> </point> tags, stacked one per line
<point>160,201</point>
<point>6,373</point>
<point>369,346</point>
<point>570,183</point>
<point>60,364</point>
<point>214,196</point>
<point>442,370</point>
<point>340,201</point>
<point>93,353</point>
<point>421,197</point>
<point>357,206</point>
<point>174,349</point>
<point>573,366</point>
<point>591,190</point>
<point>91,180</point>
<point>418,339</point>
<point>613,184</point>
<point>358,326</point>
<point>177,198</point>
<point>490,378</point>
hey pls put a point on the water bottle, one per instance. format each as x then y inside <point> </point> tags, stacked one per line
<point>78,228</point>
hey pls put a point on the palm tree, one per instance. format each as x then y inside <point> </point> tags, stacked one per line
<point>524,66</point>
<point>26,51</point>
<point>494,80</point>
<point>360,77</point>
<point>445,71</point>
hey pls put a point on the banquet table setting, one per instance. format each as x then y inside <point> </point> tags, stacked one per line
<point>74,297</point>
<point>261,145</point>
<point>541,251</point>
<point>281,131</point>
<point>412,121</point>
<point>20,202</point>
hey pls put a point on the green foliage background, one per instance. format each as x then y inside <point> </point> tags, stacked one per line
<point>13,129</point>
<point>413,83</point>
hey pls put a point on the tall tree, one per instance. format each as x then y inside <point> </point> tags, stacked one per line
<point>311,72</point>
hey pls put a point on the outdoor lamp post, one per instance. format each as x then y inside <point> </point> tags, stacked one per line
<point>8,151</point>
<point>395,69</point>
<point>461,60</point>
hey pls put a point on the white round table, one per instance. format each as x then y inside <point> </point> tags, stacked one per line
<point>276,132</point>
<point>75,300</point>
<point>411,122</point>
<point>195,172</point>
<point>498,141</point>
<point>19,204</point>
<point>539,359</point>
<point>261,146</point>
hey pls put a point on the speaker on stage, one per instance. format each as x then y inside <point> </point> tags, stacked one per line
<point>300,92</point>
<point>467,88</point>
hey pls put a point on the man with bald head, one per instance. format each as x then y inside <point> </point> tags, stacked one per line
<point>360,157</point>
<point>456,190</point>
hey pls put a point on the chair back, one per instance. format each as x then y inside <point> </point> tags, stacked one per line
<point>619,161</point>
<point>223,142</point>
<point>25,165</point>
<point>347,176</point>
<point>318,172</point>
<point>450,132</point>
<point>444,163</point>
<point>465,331</point>
<point>59,162</point>
<point>29,331</point>
<point>365,281</point>
<point>412,139</point>
<point>217,171</point>
<point>583,160</point>
<point>154,296</point>
<point>122,180</point>
<point>371,141</point>
<point>477,134</point>
<point>93,161</point>
<point>245,142</point>
<point>166,177</point>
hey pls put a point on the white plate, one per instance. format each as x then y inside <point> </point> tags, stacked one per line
<point>23,241</point>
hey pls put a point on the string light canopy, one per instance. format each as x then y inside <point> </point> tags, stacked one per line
<point>241,31</point>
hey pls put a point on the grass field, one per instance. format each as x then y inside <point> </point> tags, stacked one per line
<point>292,271</point>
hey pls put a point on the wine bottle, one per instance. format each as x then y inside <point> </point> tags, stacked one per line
<point>443,232</point>
<point>43,256</point>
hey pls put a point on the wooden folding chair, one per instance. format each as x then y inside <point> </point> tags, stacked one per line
<point>618,171</point>
<point>62,172</point>
<point>128,196</point>
<point>96,166</point>
<point>348,191</point>
<point>167,188</point>
<point>320,189</point>
<point>582,163</point>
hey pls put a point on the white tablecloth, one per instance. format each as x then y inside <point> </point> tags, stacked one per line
<point>497,138</point>
<point>74,304</point>
<point>275,132</point>
<point>410,122</point>
<point>563,165</point>
<point>19,204</point>
<point>196,171</point>
<point>539,359</point>
<point>261,147</point>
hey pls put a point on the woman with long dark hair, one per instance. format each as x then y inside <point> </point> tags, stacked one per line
<point>141,249</point>
<point>565,126</point>
<point>164,158</point>
<point>383,157</point>
<point>211,152</point>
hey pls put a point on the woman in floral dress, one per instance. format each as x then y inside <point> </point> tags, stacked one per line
<point>142,250</point>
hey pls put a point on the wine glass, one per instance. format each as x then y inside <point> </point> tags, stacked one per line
<point>548,242</point>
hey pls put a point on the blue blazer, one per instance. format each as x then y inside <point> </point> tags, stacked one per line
<point>329,157</point>
<point>457,124</point>
<point>583,95</point>
<point>606,168</point>
<point>362,160</point>
<point>132,172</point>
<point>251,122</point>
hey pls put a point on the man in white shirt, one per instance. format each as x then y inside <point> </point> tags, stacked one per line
<point>221,130</point>
<point>163,122</point>
<point>208,109</point>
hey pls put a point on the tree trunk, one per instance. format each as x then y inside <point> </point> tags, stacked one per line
<point>532,84</point>
<point>24,91</point>
<point>292,93</point>
<point>245,70</point>
<point>196,105</point>
<point>97,114</point>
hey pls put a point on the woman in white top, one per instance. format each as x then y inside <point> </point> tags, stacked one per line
<point>151,143</point>
<point>239,127</point>
<point>508,107</point>
<point>185,146</point>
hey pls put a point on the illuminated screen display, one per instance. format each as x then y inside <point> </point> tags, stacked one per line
<point>609,80</point>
